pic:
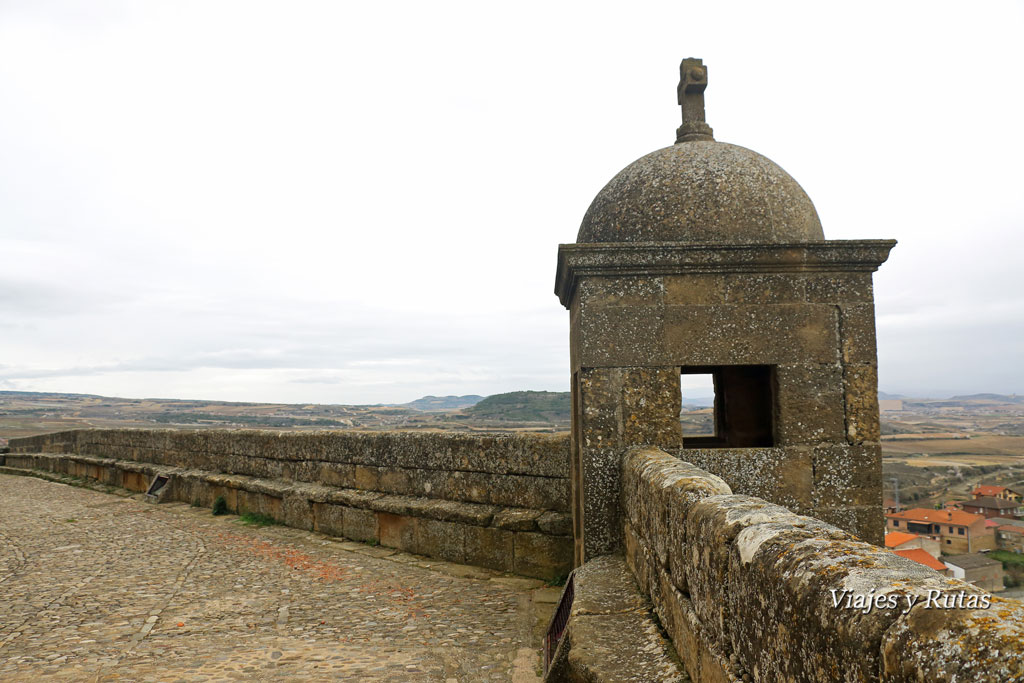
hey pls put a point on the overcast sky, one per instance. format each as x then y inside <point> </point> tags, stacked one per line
<point>339,202</point>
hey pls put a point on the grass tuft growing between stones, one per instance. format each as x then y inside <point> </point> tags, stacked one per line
<point>558,580</point>
<point>220,506</point>
<point>257,519</point>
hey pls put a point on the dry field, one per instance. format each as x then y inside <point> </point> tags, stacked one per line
<point>980,449</point>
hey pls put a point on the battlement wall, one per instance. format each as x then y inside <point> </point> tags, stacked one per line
<point>747,590</point>
<point>498,501</point>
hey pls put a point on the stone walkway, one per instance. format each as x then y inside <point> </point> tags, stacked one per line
<point>101,587</point>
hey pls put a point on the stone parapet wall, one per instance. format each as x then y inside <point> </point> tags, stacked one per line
<point>744,588</point>
<point>510,517</point>
<point>511,470</point>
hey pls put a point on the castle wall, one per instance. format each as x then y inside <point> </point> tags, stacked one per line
<point>497,501</point>
<point>744,587</point>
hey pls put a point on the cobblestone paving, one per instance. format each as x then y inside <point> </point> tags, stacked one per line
<point>100,587</point>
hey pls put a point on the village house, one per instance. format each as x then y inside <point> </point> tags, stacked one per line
<point>984,572</point>
<point>1010,535</point>
<point>990,506</point>
<point>1000,492</point>
<point>955,530</point>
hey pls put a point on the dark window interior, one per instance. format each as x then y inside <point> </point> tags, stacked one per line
<point>744,406</point>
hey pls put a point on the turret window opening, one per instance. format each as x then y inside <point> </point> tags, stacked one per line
<point>742,410</point>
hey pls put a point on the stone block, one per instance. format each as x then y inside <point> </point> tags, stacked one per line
<point>429,483</point>
<point>443,540</point>
<point>697,289</point>
<point>463,513</point>
<point>397,531</point>
<point>516,519</point>
<point>489,547</point>
<point>297,511</point>
<point>475,487</point>
<point>607,292</point>
<point>329,519</point>
<point>651,402</point>
<point>133,481</point>
<point>765,288</point>
<point>360,525</point>
<point>230,497</point>
<point>935,644</point>
<point>600,395</point>
<point>810,407</point>
<point>353,498</point>
<point>555,523</point>
<point>542,556</point>
<point>337,474</point>
<point>403,506</point>
<point>112,477</point>
<point>748,334</point>
<point>864,522</point>
<point>246,501</point>
<point>783,476</point>
<point>619,337</point>
<point>604,586</point>
<point>860,385</point>
<point>829,288</point>
<point>366,478</point>
<point>307,471</point>
<point>519,491</point>
<point>602,524</point>
<point>857,332</point>
<point>271,506</point>
<point>847,475</point>
<point>714,523</point>
<point>395,480</point>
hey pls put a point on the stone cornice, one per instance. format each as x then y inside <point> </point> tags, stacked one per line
<point>667,258</point>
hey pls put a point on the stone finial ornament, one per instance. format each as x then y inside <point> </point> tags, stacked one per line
<point>693,79</point>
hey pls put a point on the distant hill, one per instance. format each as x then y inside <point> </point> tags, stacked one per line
<point>1001,398</point>
<point>433,404</point>
<point>886,397</point>
<point>524,406</point>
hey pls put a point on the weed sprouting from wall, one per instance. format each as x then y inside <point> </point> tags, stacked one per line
<point>257,519</point>
<point>220,506</point>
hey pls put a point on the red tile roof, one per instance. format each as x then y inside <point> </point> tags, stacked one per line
<point>922,557</point>
<point>897,538</point>
<point>956,517</point>
<point>1012,529</point>
<point>988,490</point>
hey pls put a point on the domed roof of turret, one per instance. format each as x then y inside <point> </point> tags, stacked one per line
<point>699,191</point>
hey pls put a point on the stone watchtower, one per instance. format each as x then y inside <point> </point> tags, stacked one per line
<point>707,258</point>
